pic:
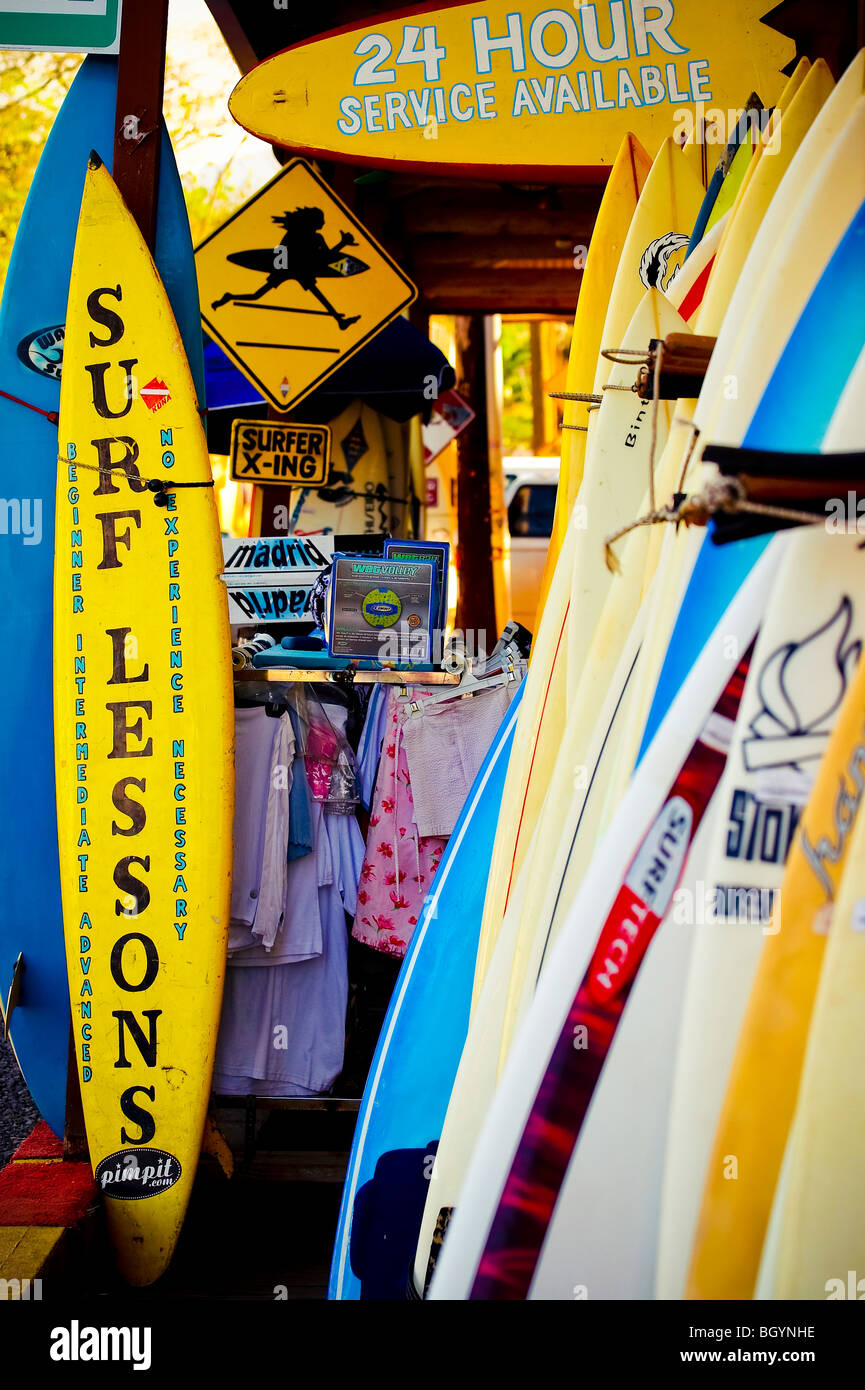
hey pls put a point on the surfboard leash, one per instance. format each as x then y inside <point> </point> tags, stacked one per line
<point>50,415</point>
<point>160,487</point>
<point>728,496</point>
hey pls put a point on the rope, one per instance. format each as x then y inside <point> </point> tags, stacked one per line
<point>689,453</point>
<point>727,496</point>
<point>50,415</point>
<point>584,396</point>
<point>627,357</point>
<point>656,387</point>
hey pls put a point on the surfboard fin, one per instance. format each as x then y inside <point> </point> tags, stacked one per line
<point>12,996</point>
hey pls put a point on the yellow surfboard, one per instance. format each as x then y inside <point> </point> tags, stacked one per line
<point>822,1217</point>
<point>776,154</point>
<point>143,733</point>
<point>627,176</point>
<point>653,252</point>
<point>541,718</point>
<point>739,167</point>
<point>654,247</point>
<point>613,492</point>
<point>748,154</point>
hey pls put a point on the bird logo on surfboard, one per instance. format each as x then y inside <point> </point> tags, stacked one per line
<point>302,256</point>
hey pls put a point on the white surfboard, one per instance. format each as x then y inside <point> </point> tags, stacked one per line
<point>808,647</point>
<point>647,799</point>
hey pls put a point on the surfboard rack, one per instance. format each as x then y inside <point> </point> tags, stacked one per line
<point>683,359</point>
<point>288,675</point>
<point>12,996</point>
<point>800,488</point>
<point>822,474</point>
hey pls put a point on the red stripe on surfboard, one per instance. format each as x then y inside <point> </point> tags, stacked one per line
<point>534,753</point>
<point>694,298</point>
<point>540,1164</point>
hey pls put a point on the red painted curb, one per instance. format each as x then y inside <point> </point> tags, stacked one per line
<point>46,1194</point>
<point>41,1142</point>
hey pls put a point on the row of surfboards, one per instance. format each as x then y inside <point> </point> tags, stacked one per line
<point>623,1056</point>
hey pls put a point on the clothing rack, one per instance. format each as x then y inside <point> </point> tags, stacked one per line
<point>287,675</point>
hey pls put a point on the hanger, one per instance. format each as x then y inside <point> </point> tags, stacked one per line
<point>510,663</point>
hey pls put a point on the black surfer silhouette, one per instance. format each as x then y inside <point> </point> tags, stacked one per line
<point>303,256</point>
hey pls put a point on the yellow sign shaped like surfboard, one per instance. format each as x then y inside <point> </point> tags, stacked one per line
<point>511,88</point>
<point>143,733</point>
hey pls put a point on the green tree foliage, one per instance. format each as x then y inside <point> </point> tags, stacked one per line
<point>32,86</point>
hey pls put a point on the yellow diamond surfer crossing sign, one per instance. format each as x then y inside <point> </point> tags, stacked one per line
<point>292,285</point>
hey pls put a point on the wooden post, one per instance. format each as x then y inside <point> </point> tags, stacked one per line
<point>140,82</point>
<point>268,495</point>
<point>538,398</point>
<point>476,609</point>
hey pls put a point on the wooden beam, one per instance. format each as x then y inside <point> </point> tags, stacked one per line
<point>140,81</point>
<point>538,402</point>
<point>492,251</point>
<point>517,307</point>
<point>233,32</point>
<point>453,290</point>
<point>432,218</point>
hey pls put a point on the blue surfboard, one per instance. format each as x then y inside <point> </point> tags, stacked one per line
<point>31,319</point>
<point>412,1074</point>
<point>794,413</point>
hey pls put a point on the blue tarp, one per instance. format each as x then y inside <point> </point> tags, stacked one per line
<point>398,372</point>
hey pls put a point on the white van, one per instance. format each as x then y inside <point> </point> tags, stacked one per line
<point>530,499</point>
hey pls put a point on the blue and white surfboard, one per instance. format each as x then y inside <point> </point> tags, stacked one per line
<point>412,1074</point>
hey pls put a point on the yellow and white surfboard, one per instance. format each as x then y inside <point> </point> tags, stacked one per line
<point>627,176</point>
<point>143,733</point>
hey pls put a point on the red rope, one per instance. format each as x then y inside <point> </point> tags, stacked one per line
<point>52,414</point>
<point>49,414</point>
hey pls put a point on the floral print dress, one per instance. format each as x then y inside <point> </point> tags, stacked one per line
<point>399,865</point>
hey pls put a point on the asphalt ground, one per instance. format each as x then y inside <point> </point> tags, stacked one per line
<point>18,1114</point>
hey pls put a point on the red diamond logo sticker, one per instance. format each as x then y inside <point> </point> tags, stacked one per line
<point>155,394</point>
